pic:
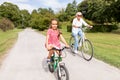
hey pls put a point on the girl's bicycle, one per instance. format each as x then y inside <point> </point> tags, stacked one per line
<point>85,46</point>
<point>57,66</point>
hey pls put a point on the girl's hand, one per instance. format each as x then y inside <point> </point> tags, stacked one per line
<point>49,47</point>
<point>67,46</point>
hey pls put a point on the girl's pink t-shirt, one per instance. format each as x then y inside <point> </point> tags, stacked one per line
<point>53,37</point>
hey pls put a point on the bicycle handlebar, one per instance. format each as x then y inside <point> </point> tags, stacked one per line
<point>54,48</point>
<point>85,28</point>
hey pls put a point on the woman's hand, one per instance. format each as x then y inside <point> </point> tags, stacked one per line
<point>90,26</point>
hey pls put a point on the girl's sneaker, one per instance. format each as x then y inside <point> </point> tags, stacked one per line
<point>48,60</point>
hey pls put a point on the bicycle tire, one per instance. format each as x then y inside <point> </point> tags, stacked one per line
<point>87,50</point>
<point>71,43</point>
<point>62,69</point>
<point>50,68</point>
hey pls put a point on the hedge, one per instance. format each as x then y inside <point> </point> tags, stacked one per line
<point>98,28</point>
<point>103,28</point>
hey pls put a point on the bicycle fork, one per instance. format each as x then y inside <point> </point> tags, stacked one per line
<point>59,71</point>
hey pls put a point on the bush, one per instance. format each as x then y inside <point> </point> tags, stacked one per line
<point>41,27</point>
<point>69,28</point>
<point>97,28</point>
<point>116,31</point>
<point>6,24</point>
<point>103,28</point>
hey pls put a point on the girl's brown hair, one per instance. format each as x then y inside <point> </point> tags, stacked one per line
<point>50,26</point>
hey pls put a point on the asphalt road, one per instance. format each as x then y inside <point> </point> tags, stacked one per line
<point>26,61</point>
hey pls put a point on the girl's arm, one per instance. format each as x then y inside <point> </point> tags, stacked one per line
<point>63,40</point>
<point>46,43</point>
<point>48,46</point>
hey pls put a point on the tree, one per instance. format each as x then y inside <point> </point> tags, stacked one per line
<point>47,14</point>
<point>10,11</point>
<point>83,7</point>
<point>71,10</point>
<point>25,17</point>
<point>40,18</point>
<point>61,15</point>
<point>35,19</point>
<point>100,11</point>
<point>114,10</point>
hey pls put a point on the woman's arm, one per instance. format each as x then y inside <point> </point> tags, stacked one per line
<point>85,24</point>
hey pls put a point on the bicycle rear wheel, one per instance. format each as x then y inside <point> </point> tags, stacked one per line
<point>87,50</point>
<point>71,43</point>
<point>63,72</point>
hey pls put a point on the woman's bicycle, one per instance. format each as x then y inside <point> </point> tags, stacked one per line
<point>85,46</point>
<point>57,66</point>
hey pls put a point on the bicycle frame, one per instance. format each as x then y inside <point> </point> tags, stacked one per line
<point>56,60</point>
<point>82,39</point>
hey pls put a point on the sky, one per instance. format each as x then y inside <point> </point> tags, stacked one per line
<point>56,5</point>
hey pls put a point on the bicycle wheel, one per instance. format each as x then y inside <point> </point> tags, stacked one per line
<point>87,50</point>
<point>62,73</point>
<point>71,43</point>
<point>50,66</point>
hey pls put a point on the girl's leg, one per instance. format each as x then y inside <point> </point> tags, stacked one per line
<point>50,54</point>
<point>59,53</point>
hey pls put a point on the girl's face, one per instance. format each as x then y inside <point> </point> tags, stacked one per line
<point>54,24</point>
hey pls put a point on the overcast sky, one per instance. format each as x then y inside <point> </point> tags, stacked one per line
<point>56,5</point>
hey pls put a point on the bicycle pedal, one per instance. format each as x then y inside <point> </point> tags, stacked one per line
<point>48,61</point>
<point>74,54</point>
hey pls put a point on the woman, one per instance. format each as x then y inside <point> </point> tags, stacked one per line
<point>77,24</point>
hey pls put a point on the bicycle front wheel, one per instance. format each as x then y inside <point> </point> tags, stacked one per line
<point>62,73</point>
<point>87,50</point>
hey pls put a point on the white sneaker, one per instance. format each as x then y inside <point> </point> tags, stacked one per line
<point>75,51</point>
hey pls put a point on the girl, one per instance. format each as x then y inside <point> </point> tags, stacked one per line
<point>53,37</point>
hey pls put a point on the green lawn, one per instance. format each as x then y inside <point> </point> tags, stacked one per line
<point>7,39</point>
<point>106,46</point>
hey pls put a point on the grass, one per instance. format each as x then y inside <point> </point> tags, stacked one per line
<point>106,46</point>
<point>7,39</point>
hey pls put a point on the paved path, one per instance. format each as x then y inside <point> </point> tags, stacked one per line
<point>26,60</point>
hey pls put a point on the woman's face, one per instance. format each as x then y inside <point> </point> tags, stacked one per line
<point>79,16</point>
<point>54,24</point>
